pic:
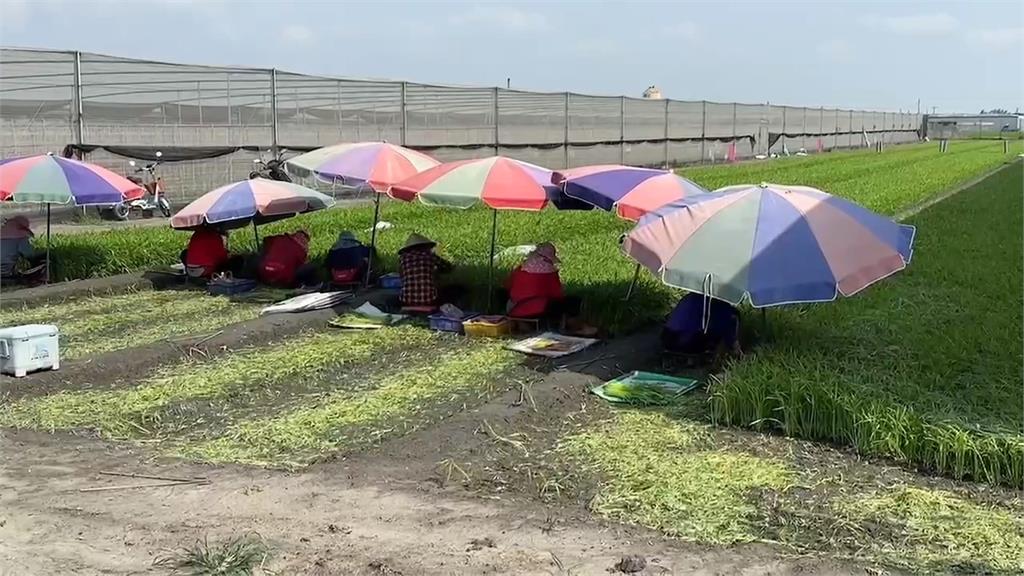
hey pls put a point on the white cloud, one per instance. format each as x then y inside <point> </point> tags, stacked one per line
<point>929,24</point>
<point>996,39</point>
<point>296,34</point>
<point>682,30</point>
<point>505,18</point>
<point>835,50</point>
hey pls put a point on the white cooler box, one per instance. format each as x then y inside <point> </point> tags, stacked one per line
<point>27,348</point>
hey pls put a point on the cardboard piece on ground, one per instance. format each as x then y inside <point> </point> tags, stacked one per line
<point>307,302</point>
<point>551,345</point>
<point>366,317</point>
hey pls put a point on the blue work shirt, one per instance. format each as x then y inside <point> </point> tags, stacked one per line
<point>687,318</point>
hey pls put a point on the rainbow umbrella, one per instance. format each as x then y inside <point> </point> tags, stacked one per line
<point>257,201</point>
<point>770,244</point>
<point>377,165</point>
<point>50,179</point>
<point>629,192</point>
<point>497,182</point>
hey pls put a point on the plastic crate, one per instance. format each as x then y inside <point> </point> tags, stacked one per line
<point>390,281</point>
<point>487,326</point>
<point>444,323</point>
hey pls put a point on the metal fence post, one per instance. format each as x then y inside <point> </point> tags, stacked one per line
<point>734,122</point>
<point>79,127</point>
<point>565,139</point>
<point>666,133</point>
<point>821,127</point>
<point>784,128</point>
<point>622,129</point>
<point>849,137</point>
<point>404,129</point>
<point>703,127</point>
<point>273,110</point>
<point>497,144</point>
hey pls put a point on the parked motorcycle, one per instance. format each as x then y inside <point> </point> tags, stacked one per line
<point>153,200</point>
<point>272,169</point>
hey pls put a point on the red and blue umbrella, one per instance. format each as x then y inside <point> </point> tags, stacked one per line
<point>629,192</point>
<point>54,180</point>
<point>258,201</point>
<point>770,244</point>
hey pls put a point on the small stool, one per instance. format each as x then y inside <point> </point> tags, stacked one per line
<point>524,325</point>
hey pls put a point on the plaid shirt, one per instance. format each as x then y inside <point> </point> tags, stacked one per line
<point>418,268</point>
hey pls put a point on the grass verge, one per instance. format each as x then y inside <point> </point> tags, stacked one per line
<point>925,367</point>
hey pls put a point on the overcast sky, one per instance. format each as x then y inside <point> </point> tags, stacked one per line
<point>957,56</point>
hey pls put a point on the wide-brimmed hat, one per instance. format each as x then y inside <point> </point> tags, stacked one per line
<point>547,251</point>
<point>16,227</point>
<point>417,240</point>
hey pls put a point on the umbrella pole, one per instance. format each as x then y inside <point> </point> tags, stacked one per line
<point>373,237</point>
<point>256,233</point>
<point>490,267</point>
<point>632,284</point>
<point>47,242</point>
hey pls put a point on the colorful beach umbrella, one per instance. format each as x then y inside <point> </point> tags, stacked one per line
<point>628,191</point>
<point>54,180</point>
<point>375,164</point>
<point>770,244</point>
<point>257,200</point>
<point>497,182</point>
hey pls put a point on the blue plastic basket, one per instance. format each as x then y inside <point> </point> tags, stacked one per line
<point>446,324</point>
<point>390,281</point>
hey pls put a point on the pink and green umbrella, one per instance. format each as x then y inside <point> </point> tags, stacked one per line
<point>497,182</point>
<point>54,180</point>
<point>628,191</point>
<point>378,165</point>
<point>48,179</point>
<point>769,244</point>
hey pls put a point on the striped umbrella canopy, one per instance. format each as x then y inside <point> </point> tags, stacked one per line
<point>772,244</point>
<point>258,201</point>
<point>498,182</point>
<point>376,164</point>
<point>628,191</point>
<point>55,180</point>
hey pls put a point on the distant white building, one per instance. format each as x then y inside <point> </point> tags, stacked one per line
<point>652,93</point>
<point>966,125</point>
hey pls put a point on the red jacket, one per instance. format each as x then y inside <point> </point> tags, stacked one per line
<point>529,293</point>
<point>283,254</point>
<point>206,248</point>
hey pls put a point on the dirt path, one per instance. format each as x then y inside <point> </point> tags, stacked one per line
<point>367,516</point>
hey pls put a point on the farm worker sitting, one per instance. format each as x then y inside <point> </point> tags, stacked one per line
<point>535,289</point>
<point>418,267</point>
<point>282,258</point>
<point>348,260</point>
<point>206,253</point>
<point>16,248</point>
<point>700,324</point>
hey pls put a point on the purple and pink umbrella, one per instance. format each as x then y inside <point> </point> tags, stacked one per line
<point>54,180</point>
<point>629,192</point>
<point>770,244</point>
<point>375,164</point>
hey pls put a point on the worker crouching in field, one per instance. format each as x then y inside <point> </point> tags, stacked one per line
<point>284,260</point>
<point>19,260</point>
<point>207,254</point>
<point>702,326</point>
<point>348,261</point>
<point>535,289</point>
<point>419,267</point>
